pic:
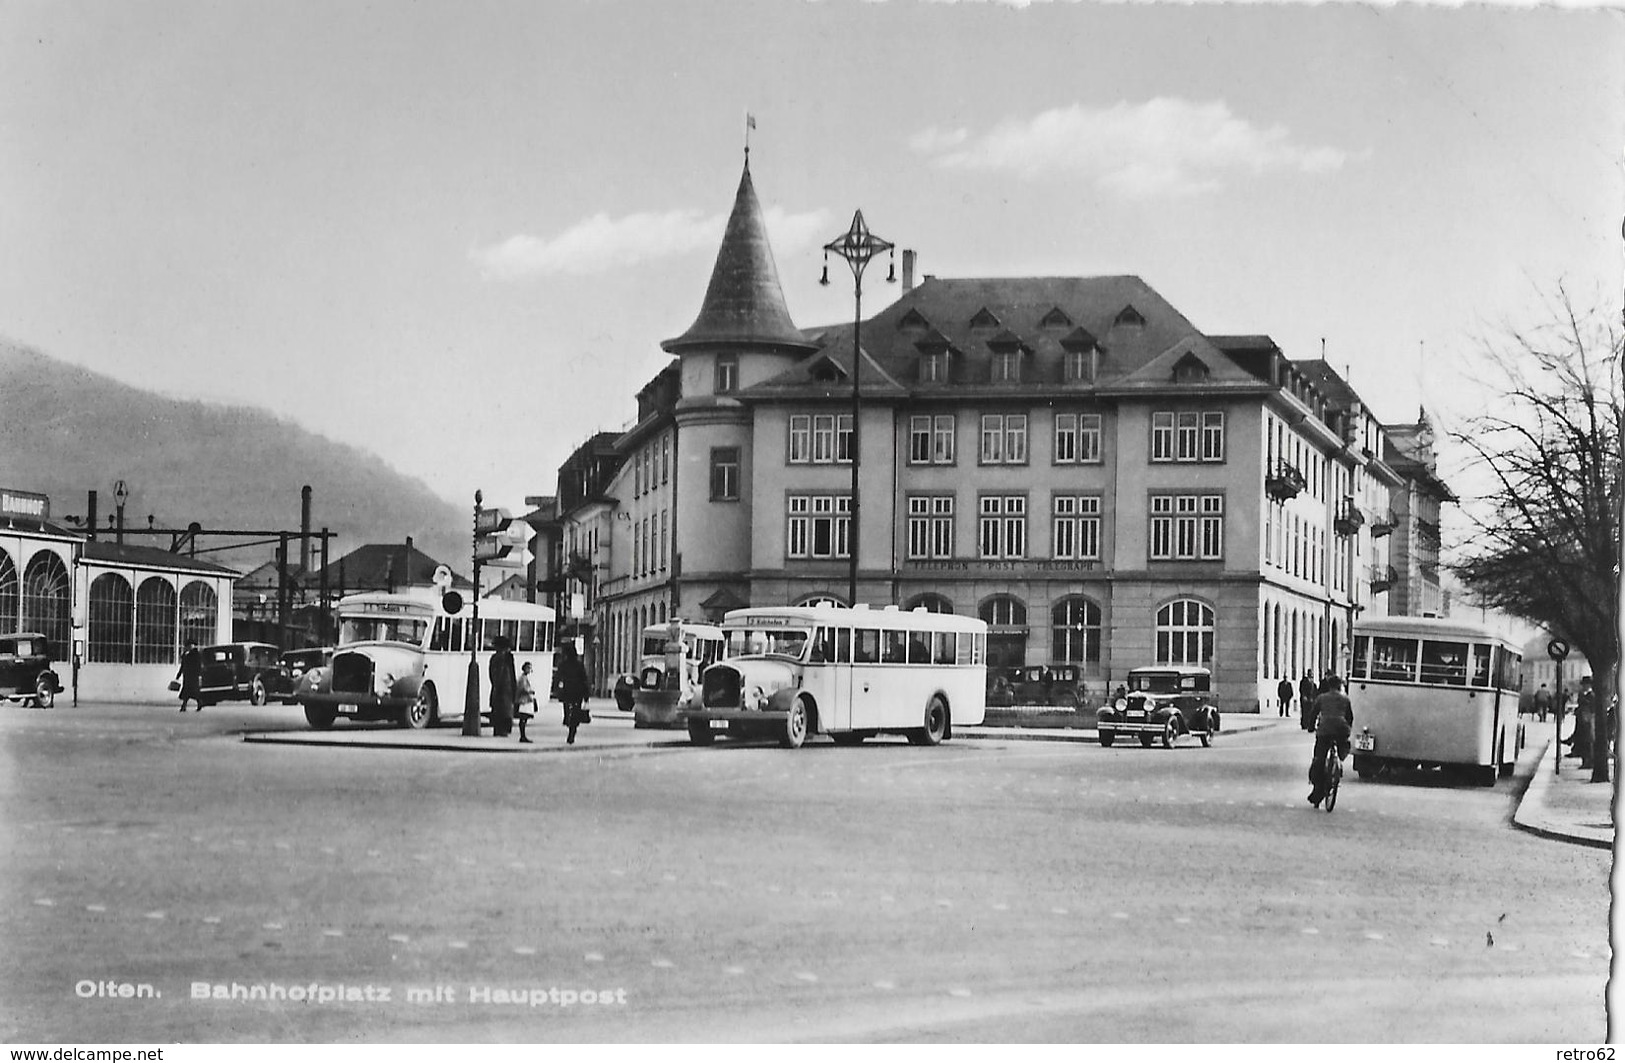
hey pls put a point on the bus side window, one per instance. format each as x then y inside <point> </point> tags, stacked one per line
<point>893,648</point>
<point>510,631</point>
<point>1444,662</point>
<point>441,636</point>
<point>527,635</point>
<point>823,646</point>
<point>1393,658</point>
<point>1362,656</point>
<point>488,636</point>
<point>978,652</point>
<point>942,647</point>
<point>843,646</point>
<point>866,646</point>
<point>1481,666</point>
<point>919,650</point>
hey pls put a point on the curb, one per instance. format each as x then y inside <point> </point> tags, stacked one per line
<point>1532,806</point>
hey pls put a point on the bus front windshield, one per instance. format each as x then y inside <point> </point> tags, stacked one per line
<point>407,629</point>
<point>756,642</point>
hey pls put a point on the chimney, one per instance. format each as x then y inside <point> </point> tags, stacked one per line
<point>908,269</point>
<point>304,529</point>
<point>90,515</point>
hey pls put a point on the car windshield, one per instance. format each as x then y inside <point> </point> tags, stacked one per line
<point>751,641</point>
<point>1155,682</point>
<point>408,629</point>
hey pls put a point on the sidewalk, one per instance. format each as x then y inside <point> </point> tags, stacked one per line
<point>1566,804</point>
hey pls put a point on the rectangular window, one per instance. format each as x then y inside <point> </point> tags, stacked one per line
<point>1076,528</point>
<point>919,440</point>
<point>819,526</point>
<point>1187,527</point>
<point>934,368</point>
<point>1007,367</point>
<point>1077,438</point>
<point>1213,436</point>
<point>800,438</point>
<point>1187,435</point>
<point>1073,366</point>
<point>930,526</point>
<point>1004,439</point>
<point>724,474</point>
<point>1002,526</point>
<point>831,438</point>
<point>942,439</point>
<point>663,537</point>
<point>727,373</point>
<point>665,459</point>
<point>931,440</point>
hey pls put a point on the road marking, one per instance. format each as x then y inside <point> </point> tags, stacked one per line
<point>333,933</point>
<point>594,957</point>
<point>1058,911</point>
<point>1119,915</point>
<point>155,915</point>
<point>517,865</point>
<point>662,962</point>
<point>1374,935</point>
<point>95,907</point>
<point>668,877</point>
<point>44,902</point>
<point>211,919</point>
<point>885,984</point>
<point>733,970</point>
<point>1182,918</point>
<point>943,902</point>
<point>525,950</point>
<point>401,938</point>
<point>1001,907</point>
<point>958,992</point>
<point>374,852</point>
<point>1439,943</point>
<point>457,944</point>
<point>1311,930</point>
<point>807,976</point>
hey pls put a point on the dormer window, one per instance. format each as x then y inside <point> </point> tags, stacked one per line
<point>1077,367</point>
<point>1190,369</point>
<point>727,373</point>
<point>1056,318</point>
<point>984,318</point>
<point>1129,316</point>
<point>827,372</point>
<point>913,320</point>
<point>934,367</point>
<point>1007,366</point>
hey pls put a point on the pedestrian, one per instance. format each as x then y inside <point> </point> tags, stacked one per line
<point>527,700</point>
<point>570,687</point>
<point>1307,689</point>
<point>1585,721</point>
<point>504,687</point>
<point>1283,693</point>
<point>1543,702</point>
<point>190,675</point>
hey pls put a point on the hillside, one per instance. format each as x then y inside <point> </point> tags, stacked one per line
<point>65,431</point>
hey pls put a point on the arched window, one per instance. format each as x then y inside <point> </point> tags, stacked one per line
<point>1002,610</point>
<point>820,599</point>
<point>155,622</point>
<point>10,594</point>
<point>45,600</point>
<point>112,619</point>
<point>200,613</point>
<point>1185,632</point>
<point>1075,634</point>
<point>931,603</point>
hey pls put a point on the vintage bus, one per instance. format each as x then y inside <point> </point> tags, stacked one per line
<point>657,687</point>
<point>1434,693</point>
<point>403,658</point>
<point>848,673</point>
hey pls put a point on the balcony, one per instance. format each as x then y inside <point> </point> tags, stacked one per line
<point>1384,580</point>
<point>1382,524</point>
<point>1427,533</point>
<point>1349,520</point>
<point>1284,481</point>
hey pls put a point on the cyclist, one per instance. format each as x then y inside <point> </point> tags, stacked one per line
<point>1334,723</point>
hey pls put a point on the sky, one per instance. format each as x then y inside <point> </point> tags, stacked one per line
<point>455,233</point>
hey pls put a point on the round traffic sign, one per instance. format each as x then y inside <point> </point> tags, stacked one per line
<point>1557,649</point>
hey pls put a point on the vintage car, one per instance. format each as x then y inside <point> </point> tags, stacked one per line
<point>1163,702</point>
<point>297,662</point>
<point>25,669</point>
<point>242,671</point>
<point>1037,684</point>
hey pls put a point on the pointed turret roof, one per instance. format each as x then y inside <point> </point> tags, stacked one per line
<point>744,304</point>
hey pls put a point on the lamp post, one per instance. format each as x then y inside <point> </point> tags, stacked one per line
<point>857,246</point>
<point>120,493</point>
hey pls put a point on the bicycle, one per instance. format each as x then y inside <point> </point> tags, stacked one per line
<point>1331,773</point>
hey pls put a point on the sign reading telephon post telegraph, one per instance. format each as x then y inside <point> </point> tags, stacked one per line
<point>1001,568</point>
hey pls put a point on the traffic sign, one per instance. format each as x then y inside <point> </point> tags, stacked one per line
<point>1557,649</point>
<point>496,533</point>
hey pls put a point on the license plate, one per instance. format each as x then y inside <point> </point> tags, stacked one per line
<point>349,710</point>
<point>1365,743</point>
<point>1136,715</point>
<point>719,725</point>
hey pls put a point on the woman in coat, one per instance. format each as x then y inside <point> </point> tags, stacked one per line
<point>191,676</point>
<point>570,686</point>
<point>504,688</point>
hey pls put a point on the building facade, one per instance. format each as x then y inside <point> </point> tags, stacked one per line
<point>1070,459</point>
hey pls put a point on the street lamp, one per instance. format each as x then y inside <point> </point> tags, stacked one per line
<point>120,493</point>
<point>857,246</point>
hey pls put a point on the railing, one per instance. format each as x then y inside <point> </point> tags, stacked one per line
<point>1284,481</point>
<point>1382,524</point>
<point>1384,580</point>
<point>1427,532</point>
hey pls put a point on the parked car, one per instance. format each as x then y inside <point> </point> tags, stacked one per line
<point>25,669</point>
<point>297,662</point>
<point>1037,684</point>
<point>1163,702</point>
<point>242,671</point>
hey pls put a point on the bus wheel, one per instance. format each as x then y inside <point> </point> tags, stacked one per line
<point>795,725</point>
<point>1107,738</point>
<point>700,733</point>
<point>424,708</point>
<point>320,717</point>
<point>936,724</point>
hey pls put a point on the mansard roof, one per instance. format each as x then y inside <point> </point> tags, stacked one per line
<point>744,304</point>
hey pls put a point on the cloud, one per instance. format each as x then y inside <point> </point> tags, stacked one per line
<point>1164,146</point>
<point>600,243</point>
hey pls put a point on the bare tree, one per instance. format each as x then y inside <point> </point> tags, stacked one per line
<point>1545,543</point>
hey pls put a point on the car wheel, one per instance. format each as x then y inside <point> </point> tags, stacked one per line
<point>320,717</point>
<point>44,692</point>
<point>700,733</point>
<point>1170,731</point>
<point>1147,740</point>
<point>1107,738</point>
<point>423,710</point>
<point>256,691</point>
<point>795,725</point>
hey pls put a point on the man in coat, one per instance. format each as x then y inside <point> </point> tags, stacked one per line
<point>1283,693</point>
<point>570,686</point>
<point>504,688</point>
